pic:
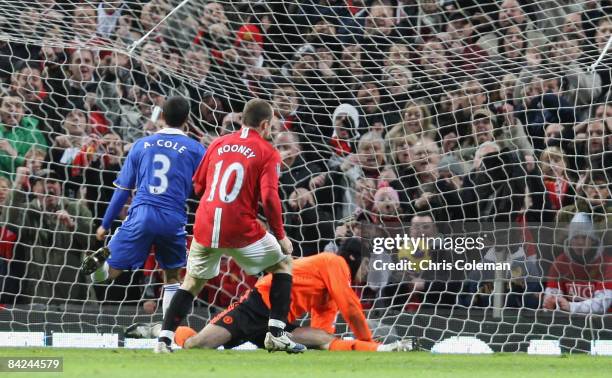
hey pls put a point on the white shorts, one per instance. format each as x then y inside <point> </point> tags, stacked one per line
<point>204,262</point>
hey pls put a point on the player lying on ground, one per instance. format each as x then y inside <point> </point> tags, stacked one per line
<point>160,168</point>
<point>321,287</point>
<point>240,170</point>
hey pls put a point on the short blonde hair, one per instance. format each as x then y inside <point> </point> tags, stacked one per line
<point>508,80</point>
<point>34,153</point>
<point>373,138</point>
<point>509,77</point>
<point>426,126</point>
<point>547,155</point>
<point>388,70</point>
<point>393,144</point>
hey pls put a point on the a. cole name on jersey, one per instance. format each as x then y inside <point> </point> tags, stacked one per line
<point>167,144</point>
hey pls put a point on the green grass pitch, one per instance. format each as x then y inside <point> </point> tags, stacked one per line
<point>118,363</point>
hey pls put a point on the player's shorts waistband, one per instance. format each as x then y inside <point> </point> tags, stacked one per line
<point>177,212</point>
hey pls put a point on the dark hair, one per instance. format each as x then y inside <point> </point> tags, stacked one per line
<point>176,111</point>
<point>352,252</point>
<point>595,176</point>
<point>44,174</point>
<point>424,213</point>
<point>256,11</point>
<point>277,83</point>
<point>458,16</point>
<point>23,64</point>
<point>255,112</point>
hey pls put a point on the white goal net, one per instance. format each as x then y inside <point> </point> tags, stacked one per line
<point>447,119</point>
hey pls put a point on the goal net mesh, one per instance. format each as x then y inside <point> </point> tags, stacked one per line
<point>426,118</point>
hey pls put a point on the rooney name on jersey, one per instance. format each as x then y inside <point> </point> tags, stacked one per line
<point>244,150</point>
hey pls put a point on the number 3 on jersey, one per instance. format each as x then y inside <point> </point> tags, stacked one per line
<point>160,173</point>
<point>225,177</point>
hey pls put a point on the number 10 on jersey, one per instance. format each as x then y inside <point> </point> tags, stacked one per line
<point>225,176</point>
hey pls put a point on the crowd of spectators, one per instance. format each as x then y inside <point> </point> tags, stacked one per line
<point>386,111</point>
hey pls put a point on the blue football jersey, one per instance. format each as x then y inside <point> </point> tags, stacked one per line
<point>160,167</point>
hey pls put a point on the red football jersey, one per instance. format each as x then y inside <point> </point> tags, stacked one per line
<point>238,171</point>
<point>579,281</point>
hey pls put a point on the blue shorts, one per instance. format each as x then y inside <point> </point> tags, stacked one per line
<point>144,227</point>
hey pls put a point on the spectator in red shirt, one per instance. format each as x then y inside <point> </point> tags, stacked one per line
<point>559,189</point>
<point>580,280</point>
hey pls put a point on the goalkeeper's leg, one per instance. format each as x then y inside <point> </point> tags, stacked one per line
<point>244,320</point>
<point>211,337</point>
<point>318,339</point>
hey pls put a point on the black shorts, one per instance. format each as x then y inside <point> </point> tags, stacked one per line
<point>246,320</point>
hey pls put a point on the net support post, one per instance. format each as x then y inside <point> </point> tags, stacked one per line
<point>499,284</point>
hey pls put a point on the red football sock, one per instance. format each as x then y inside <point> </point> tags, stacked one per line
<point>350,345</point>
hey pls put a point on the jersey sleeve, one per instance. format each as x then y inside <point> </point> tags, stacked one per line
<point>599,304</point>
<point>336,276</point>
<point>117,202</point>
<point>127,176</point>
<point>269,194</point>
<point>199,177</point>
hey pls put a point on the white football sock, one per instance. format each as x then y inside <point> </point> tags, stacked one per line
<point>169,291</point>
<point>101,274</point>
<point>276,323</point>
<point>166,333</point>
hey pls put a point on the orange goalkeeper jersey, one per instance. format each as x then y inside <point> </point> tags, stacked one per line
<point>321,287</point>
